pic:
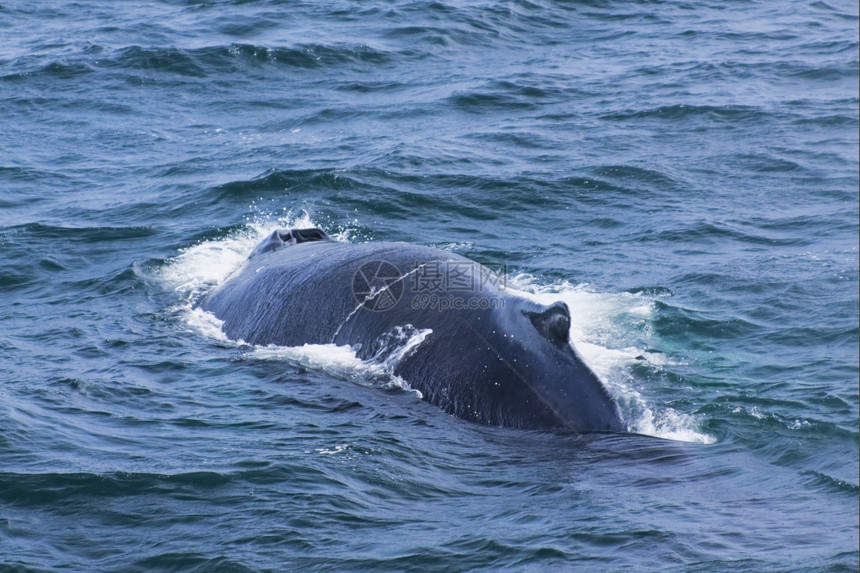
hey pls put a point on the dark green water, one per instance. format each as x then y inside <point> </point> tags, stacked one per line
<point>684,177</point>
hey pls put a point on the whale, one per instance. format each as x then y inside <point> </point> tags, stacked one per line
<point>466,341</point>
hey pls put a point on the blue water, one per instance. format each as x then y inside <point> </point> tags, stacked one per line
<point>684,176</point>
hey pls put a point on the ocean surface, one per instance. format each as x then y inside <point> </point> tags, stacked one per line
<point>683,175</point>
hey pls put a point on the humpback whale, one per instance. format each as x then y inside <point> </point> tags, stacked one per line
<point>488,356</point>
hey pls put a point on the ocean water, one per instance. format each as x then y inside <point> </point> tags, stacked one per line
<point>683,175</point>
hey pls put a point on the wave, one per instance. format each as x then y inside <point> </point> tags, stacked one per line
<point>84,234</point>
<point>278,180</point>
<point>38,489</point>
<point>702,233</point>
<point>195,63</point>
<point>483,102</point>
<point>44,267</point>
<point>27,67</point>
<point>202,62</point>
<point>827,483</point>
<point>637,175</point>
<point>680,112</point>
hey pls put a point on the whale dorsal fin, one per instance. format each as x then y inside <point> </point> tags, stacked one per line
<point>553,323</point>
<point>283,237</point>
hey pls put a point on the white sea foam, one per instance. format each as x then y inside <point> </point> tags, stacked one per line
<point>204,323</point>
<point>611,331</point>
<point>339,448</point>
<point>342,361</point>
<point>201,267</point>
<point>205,265</point>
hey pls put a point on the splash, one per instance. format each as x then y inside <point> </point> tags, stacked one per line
<point>343,362</point>
<point>611,331</point>
<point>200,268</point>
